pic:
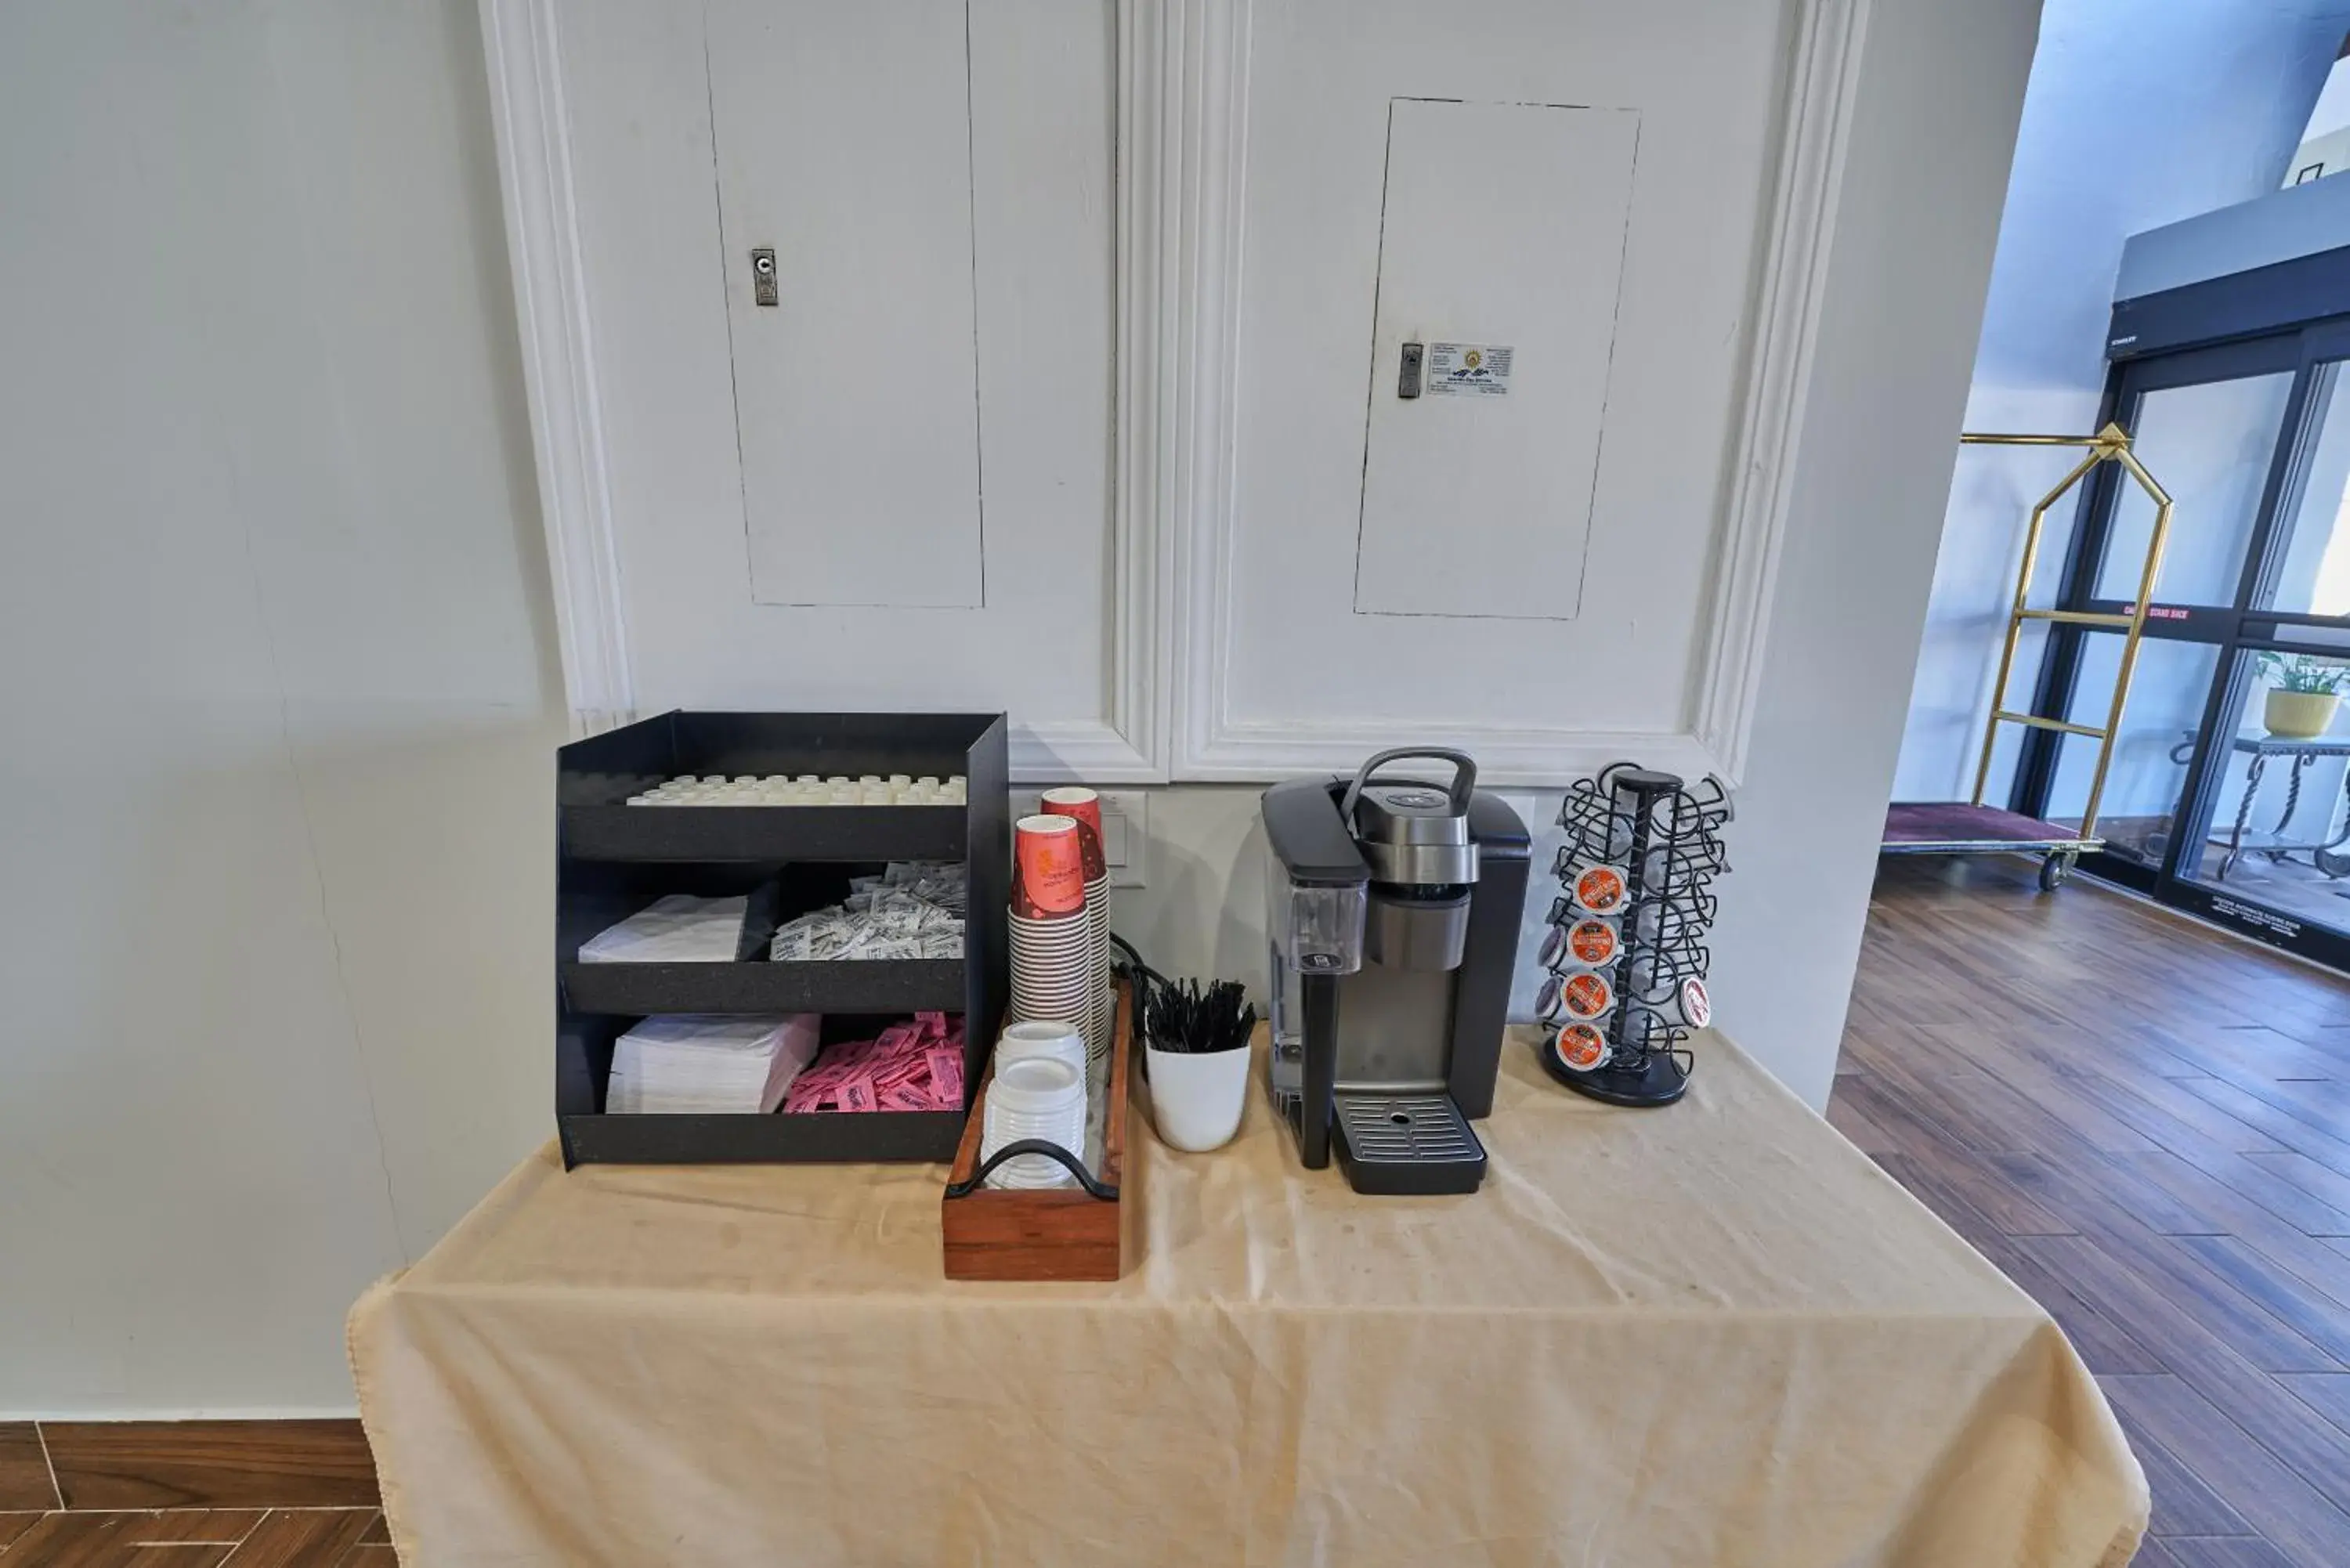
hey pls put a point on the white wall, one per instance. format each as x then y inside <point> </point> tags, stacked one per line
<point>274,613</point>
<point>1939,88</point>
<point>2138,115</point>
<point>277,691</point>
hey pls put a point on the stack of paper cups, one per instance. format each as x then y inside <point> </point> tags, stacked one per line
<point>1082,806</point>
<point>1035,1097</point>
<point>1052,960</point>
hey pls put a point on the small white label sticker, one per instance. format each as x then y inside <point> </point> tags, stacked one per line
<point>1469,370</point>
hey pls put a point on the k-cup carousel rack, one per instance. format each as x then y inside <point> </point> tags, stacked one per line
<point>1626,953</point>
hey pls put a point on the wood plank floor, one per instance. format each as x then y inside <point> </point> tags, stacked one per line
<point>197,1538</point>
<point>2146,1124</point>
<point>188,1494</point>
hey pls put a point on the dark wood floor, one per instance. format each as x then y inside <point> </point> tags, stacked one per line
<point>198,1537</point>
<point>188,1494</point>
<point>2147,1125</point>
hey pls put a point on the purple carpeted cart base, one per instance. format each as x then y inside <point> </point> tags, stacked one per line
<point>1920,827</point>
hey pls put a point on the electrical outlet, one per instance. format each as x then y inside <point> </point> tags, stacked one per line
<point>1125,831</point>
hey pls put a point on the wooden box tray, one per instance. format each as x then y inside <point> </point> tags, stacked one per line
<point>1059,1233</point>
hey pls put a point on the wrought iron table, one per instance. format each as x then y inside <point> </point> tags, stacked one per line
<point>2243,838</point>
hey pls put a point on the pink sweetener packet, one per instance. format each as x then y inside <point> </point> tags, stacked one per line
<point>858,1095</point>
<point>946,1077</point>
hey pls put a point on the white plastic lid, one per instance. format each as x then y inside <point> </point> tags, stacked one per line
<point>1040,1037</point>
<point>1036,1085</point>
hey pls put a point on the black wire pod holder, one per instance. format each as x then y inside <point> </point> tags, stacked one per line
<point>1665,837</point>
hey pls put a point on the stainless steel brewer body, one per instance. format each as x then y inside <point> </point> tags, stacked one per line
<point>1394,907</point>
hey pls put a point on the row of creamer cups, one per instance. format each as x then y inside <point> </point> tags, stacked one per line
<point>1038,1092</point>
<point>776,789</point>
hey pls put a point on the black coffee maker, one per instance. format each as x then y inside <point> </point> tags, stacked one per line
<point>1393,906</point>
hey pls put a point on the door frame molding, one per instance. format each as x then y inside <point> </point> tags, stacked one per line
<point>1182,118</point>
<point>532,127</point>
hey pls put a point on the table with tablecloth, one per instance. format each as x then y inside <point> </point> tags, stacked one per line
<point>1709,1334</point>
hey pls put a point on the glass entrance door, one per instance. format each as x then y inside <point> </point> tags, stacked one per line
<point>2228,791</point>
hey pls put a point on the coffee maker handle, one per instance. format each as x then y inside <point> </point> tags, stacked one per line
<point>1464,778</point>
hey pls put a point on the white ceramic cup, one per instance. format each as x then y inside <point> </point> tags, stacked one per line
<point>1196,1097</point>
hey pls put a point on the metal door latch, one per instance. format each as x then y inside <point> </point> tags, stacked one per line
<point>762,276</point>
<point>1408,376</point>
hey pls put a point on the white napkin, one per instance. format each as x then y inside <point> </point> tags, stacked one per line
<point>685,1062</point>
<point>679,929</point>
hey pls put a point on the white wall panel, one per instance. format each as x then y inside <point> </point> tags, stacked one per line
<point>844,147</point>
<point>1033,273</point>
<point>1295,672</point>
<point>1502,235</point>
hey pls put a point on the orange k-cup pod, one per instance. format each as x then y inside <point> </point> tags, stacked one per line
<point>1082,806</point>
<point>1592,942</point>
<point>1581,1047</point>
<point>1050,863</point>
<point>1599,890</point>
<point>1586,995</point>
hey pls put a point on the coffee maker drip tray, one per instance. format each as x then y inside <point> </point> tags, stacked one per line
<point>1407,1144</point>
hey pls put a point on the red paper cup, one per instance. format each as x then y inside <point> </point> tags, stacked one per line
<point>1048,866</point>
<point>1082,806</point>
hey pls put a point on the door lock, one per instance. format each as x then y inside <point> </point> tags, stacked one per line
<point>762,276</point>
<point>1408,373</point>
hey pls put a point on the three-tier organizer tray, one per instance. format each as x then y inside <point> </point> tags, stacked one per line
<point>613,858</point>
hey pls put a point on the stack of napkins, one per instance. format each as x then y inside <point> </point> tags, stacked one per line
<point>685,1062</point>
<point>679,928</point>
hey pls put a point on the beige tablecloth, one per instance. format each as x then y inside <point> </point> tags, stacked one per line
<point>1708,1334</point>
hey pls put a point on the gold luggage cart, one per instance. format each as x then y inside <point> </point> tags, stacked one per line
<point>1971,827</point>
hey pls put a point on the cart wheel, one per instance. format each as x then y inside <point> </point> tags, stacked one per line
<point>2055,867</point>
<point>2333,862</point>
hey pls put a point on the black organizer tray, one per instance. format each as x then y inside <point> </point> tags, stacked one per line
<point>874,985</point>
<point>614,858</point>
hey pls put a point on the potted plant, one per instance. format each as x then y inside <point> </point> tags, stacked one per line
<point>2304,693</point>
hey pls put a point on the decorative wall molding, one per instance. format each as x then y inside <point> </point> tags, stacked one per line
<point>1156,52</point>
<point>1079,750</point>
<point>1823,75</point>
<point>1506,757</point>
<point>1205,170</point>
<point>1182,143</point>
<point>1827,36</point>
<point>1167,59</point>
<point>567,416</point>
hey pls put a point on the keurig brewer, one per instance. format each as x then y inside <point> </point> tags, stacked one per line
<point>1393,908</point>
